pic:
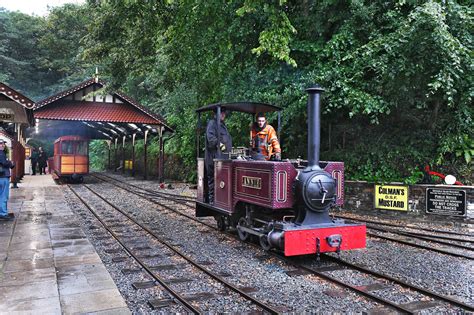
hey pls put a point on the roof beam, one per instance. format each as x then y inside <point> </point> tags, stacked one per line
<point>98,128</point>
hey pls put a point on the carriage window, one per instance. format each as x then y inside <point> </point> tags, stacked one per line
<point>81,148</point>
<point>67,147</point>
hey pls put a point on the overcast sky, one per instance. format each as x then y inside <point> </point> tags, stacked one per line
<point>37,7</point>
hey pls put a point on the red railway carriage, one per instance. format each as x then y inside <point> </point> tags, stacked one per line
<point>285,204</point>
<point>71,158</point>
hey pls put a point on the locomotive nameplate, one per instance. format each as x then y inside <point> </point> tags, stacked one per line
<point>252,182</point>
<point>261,196</point>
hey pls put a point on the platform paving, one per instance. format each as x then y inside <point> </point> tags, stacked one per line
<point>47,265</point>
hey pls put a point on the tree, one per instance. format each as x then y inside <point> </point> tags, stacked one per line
<point>397,74</point>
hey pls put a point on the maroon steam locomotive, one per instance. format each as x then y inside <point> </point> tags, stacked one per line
<point>285,204</point>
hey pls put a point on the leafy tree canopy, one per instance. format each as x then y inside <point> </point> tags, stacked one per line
<point>398,74</point>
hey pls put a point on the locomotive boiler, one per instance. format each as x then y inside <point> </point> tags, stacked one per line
<point>284,204</point>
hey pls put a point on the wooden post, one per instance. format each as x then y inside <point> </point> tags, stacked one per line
<point>14,157</point>
<point>123,155</point>
<point>145,151</point>
<point>109,143</point>
<point>133,154</point>
<point>161,157</point>
<point>116,154</point>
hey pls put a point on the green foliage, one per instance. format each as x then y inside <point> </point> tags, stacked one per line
<point>397,74</point>
<point>275,38</point>
<point>18,57</point>
<point>465,148</point>
<point>41,56</point>
<point>98,153</point>
<point>60,49</point>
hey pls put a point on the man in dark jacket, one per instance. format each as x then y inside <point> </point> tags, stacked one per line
<point>34,160</point>
<point>217,141</point>
<point>5,166</point>
<point>42,161</point>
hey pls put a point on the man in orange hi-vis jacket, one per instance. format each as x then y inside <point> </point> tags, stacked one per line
<point>264,135</point>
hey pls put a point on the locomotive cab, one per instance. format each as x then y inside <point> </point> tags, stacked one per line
<point>283,204</point>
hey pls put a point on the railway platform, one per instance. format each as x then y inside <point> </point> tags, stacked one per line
<point>47,264</point>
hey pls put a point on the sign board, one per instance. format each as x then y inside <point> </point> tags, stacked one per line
<point>7,115</point>
<point>444,201</point>
<point>391,197</point>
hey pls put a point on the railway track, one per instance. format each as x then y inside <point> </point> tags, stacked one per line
<point>381,231</point>
<point>407,226</point>
<point>144,235</point>
<point>380,281</point>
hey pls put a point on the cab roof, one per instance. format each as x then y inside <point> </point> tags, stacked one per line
<point>245,107</point>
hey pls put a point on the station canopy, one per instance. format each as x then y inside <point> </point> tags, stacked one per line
<point>15,109</point>
<point>85,111</point>
<point>16,114</point>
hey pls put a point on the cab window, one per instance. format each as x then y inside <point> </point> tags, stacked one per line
<point>67,147</point>
<point>81,148</point>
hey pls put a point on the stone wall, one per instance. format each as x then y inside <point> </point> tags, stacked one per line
<point>359,197</point>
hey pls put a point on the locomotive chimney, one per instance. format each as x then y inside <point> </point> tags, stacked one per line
<point>314,127</point>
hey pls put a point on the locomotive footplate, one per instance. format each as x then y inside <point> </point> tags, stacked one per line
<point>297,240</point>
<point>204,209</point>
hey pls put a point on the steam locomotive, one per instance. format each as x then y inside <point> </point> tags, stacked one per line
<point>284,204</point>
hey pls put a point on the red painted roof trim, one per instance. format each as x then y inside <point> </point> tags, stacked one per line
<point>158,119</point>
<point>94,111</point>
<point>16,96</point>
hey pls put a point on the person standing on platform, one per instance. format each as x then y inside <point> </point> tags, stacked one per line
<point>34,160</point>
<point>42,161</point>
<point>5,166</point>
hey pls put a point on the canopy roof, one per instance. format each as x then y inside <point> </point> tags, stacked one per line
<point>245,107</point>
<point>17,105</point>
<point>16,96</point>
<point>95,111</point>
<point>81,110</point>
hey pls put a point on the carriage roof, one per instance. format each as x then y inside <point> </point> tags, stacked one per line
<point>71,138</point>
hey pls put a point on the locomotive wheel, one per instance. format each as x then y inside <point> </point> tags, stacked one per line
<point>242,234</point>
<point>221,224</point>
<point>263,240</point>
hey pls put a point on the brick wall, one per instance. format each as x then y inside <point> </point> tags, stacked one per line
<point>359,197</point>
